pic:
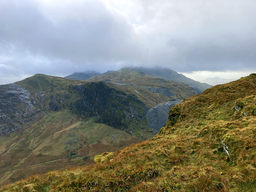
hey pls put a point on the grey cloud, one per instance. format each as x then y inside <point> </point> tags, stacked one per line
<point>183,35</point>
<point>96,37</point>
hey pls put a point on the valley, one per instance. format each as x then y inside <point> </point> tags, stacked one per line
<point>51,123</point>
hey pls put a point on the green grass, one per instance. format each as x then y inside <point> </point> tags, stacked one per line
<point>58,135</point>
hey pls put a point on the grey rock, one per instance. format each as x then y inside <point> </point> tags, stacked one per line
<point>158,115</point>
<point>225,148</point>
<point>237,108</point>
<point>16,106</point>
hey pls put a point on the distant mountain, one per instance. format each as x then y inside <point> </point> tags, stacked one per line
<point>163,73</point>
<point>208,144</point>
<point>82,75</point>
<point>171,75</point>
<point>149,89</point>
<point>49,123</point>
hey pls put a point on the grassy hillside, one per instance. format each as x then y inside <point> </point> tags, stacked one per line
<point>208,144</point>
<point>168,74</point>
<point>59,140</point>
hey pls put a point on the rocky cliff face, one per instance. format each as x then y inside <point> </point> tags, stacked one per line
<point>158,115</point>
<point>16,107</point>
<point>110,106</point>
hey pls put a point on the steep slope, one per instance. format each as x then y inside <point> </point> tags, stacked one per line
<point>82,75</point>
<point>208,144</point>
<point>16,107</point>
<point>171,75</point>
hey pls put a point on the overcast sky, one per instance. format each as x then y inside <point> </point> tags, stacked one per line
<point>211,41</point>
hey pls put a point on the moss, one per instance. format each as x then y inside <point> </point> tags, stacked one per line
<point>103,157</point>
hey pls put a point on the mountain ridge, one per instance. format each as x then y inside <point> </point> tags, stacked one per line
<point>164,73</point>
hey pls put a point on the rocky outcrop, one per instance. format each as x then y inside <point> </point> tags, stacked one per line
<point>158,115</point>
<point>16,107</point>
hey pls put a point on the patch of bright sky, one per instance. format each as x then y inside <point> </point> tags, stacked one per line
<point>216,77</point>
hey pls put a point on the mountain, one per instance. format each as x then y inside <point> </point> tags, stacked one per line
<point>149,89</point>
<point>163,73</point>
<point>171,75</point>
<point>208,144</point>
<point>50,123</point>
<point>82,75</point>
<point>158,94</point>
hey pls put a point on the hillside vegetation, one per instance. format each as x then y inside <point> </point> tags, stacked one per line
<point>50,123</point>
<point>208,144</point>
